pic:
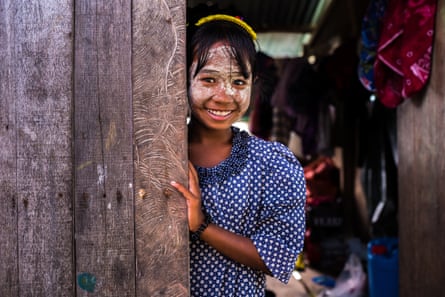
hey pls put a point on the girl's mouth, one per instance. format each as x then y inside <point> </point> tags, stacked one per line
<point>219,113</point>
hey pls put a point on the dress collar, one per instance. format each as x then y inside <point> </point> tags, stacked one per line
<point>230,166</point>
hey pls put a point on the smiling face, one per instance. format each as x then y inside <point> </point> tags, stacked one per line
<point>219,94</point>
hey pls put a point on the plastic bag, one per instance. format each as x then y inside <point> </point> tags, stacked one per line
<point>351,282</point>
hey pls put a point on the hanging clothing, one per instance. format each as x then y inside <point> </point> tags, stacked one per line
<point>297,97</point>
<point>403,63</point>
<point>370,35</point>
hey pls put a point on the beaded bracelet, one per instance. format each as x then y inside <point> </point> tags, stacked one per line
<point>197,234</point>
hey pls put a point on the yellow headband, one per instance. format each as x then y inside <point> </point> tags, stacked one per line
<point>224,17</point>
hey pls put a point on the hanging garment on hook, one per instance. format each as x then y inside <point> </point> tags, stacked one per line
<point>403,64</point>
<point>370,35</point>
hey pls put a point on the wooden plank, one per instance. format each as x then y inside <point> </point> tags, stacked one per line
<point>8,165</point>
<point>421,146</point>
<point>103,163</point>
<point>36,179</point>
<point>160,109</point>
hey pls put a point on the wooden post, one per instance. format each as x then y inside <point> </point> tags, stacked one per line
<point>160,109</point>
<point>421,147</point>
<point>36,214</point>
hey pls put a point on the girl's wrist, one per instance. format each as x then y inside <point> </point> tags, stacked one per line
<point>195,235</point>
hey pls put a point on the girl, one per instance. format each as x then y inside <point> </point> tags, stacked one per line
<point>246,196</point>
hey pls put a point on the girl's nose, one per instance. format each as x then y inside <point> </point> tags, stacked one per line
<point>224,92</point>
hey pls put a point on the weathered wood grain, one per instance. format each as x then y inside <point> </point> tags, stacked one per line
<point>35,141</point>
<point>103,151</point>
<point>421,147</point>
<point>160,109</point>
<point>8,165</point>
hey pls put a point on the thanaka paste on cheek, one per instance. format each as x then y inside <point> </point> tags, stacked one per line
<point>222,62</point>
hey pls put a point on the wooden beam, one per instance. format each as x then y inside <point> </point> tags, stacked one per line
<point>35,144</point>
<point>103,151</point>
<point>160,109</point>
<point>421,146</point>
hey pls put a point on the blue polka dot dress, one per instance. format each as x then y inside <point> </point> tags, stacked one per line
<point>260,193</point>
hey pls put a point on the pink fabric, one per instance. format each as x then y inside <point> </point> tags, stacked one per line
<point>403,63</point>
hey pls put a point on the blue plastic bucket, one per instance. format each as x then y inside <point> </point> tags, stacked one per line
<point>383,267</point>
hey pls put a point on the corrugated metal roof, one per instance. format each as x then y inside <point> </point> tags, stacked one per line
<point>274,15</point>
<point>324,20</point>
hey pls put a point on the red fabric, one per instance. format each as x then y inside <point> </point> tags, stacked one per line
<point>403,63</point>
<point>322,181</point>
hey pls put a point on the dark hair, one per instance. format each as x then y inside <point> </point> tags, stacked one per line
<point>200,40</point>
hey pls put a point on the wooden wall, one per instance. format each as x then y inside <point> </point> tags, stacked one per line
<point>421,146</point>
<point>92,129</point>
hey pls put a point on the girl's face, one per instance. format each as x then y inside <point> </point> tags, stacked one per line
<point>219,94</point>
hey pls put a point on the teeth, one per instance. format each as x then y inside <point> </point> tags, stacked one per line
<point>219,112</point>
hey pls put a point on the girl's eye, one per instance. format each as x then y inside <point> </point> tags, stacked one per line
<point>239,82</point>
<point>209,80</point>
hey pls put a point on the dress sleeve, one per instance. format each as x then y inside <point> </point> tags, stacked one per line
<point>279,236</point>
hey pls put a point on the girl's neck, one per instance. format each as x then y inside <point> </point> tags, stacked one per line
<point>199,134</point>
<point>208,148</point>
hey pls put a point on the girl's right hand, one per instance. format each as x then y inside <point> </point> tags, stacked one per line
<point>192,196</point>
